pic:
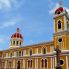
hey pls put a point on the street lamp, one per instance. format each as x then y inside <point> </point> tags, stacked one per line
<point>58,51</point>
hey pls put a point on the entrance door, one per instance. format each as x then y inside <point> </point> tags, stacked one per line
<point>18,65</point>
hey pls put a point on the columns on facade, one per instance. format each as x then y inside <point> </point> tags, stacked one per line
<point>15,43</point>
<point>14,63</point>
<point>36,63</point>
<point>5,64</point>
<point>67,62</point>
<point>55,62</point>
<point>51,63</point>
<point>23,63</point>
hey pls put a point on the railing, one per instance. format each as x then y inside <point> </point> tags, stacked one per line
<point>27,68</point>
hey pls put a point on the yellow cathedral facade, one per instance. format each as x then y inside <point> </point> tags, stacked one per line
<point>39,56</point>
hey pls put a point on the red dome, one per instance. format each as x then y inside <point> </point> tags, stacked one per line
<point>60,9</point>
<point>17,34</point>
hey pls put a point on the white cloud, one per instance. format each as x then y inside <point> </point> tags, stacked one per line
<point>57,5</point>
<point>7,4</point>
<point>7,24</point>
<point>53,10</point>
<point>11,22</point>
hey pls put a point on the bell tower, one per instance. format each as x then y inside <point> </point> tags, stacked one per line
<point>61,27</point>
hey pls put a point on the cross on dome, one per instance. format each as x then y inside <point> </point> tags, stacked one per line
<point>60,3</point>
<point>18,30</point>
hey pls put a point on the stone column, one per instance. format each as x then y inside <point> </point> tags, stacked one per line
<point>23,63</point>
<point>5,64</point>
<point>66,62</point>
<point>51,62</point>
<point>36,63</point>
<point>14,63</point>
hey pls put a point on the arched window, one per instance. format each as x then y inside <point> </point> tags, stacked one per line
<point>17,43</point>
<point>45,63</point>
<point>13,42</point>
<point>18,65</point>
<point>42,63</point>
<point>20,43</point>
<point>11,55</point>
<point>44,50</point>
<point>29,63</point>
<point>30,52</point>
<point>59,24</point>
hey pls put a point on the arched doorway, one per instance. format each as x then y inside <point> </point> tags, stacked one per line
<point>18,65</point>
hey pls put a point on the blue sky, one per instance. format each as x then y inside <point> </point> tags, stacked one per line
<point>33,17</point>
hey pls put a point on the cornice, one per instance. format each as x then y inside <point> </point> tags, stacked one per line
<point>66,32</point>
<point>62,14</point>
<point>30,46</point>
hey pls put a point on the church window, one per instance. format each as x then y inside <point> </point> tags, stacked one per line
<point>30,52</point>
<point>13,42</point>
<point>11,55</point>
<point>17,43</point>
<point>44,51</point>
<point>19,53</point>
<point>29,63</point>
<point>42,62</point>
<point>20,43</point>
<point>45,63</point>
<point>59,24</point>
<point>18,65</point>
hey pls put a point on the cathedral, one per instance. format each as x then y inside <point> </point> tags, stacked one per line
<point>39,56</point>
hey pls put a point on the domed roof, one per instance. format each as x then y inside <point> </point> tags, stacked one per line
<point>17,34</point>
<point>59,10</point>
